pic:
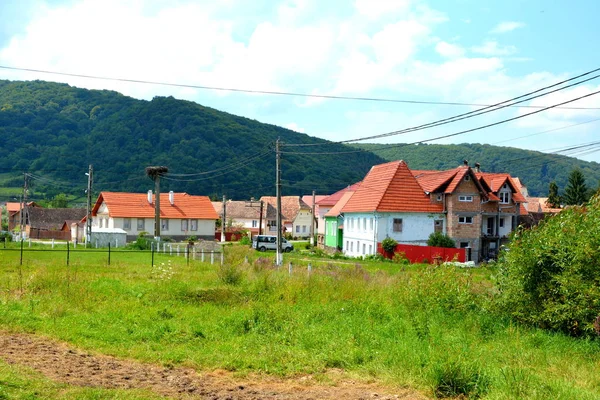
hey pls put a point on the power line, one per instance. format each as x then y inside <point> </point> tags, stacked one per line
<point>268,92</point>
<point>448,135</point>
<point>498,106</point>
<point>549,130</point>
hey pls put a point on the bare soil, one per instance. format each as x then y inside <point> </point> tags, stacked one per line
<point>63,363</point>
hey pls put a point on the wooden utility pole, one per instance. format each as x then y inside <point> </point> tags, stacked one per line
<point>312,221</point>
<point>279,260</point>
<point>155,173</point>
<point>88,221</point>
<point>24,206</point>
<point>260,218</point>
<point>224,220</point>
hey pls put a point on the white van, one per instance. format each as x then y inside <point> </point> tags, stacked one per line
<point>267,242</point>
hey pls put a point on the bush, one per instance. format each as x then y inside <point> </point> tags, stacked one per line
<point>389,245</point>
<point>245,240</point>
<point>438,239</point>
<point>550,277</point>
<point>141,243</point>
<point>400,258</point>
<point>456,378</point>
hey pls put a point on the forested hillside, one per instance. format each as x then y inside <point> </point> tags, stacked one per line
<point>535,169</point>
<point>56,130</point>
<point>53,131</point>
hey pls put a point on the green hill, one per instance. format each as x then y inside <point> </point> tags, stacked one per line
<point>53,131</point>
<point>535,169</point>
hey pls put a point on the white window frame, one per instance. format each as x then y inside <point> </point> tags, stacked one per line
<point>193,225</point>
<point>254,223</point>
<point>127,224</point>
<point>184,225</point>
<point>297,228</point>
<point>504,197</point>
<point>164,224</point>
<point>141,224</point>
<point>465,219</point>
<point>465,198</point>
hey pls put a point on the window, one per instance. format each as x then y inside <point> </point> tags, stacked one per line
<point>468,178</point>
<point>370,249</point>
<point>464,245</point>
<point>303,228</point>
<point>364,248</point>
<point>254,223</point>
<point>397,225</point>
<point>438,197</point>
<point>141,224</point>
<point>465,198</point>
<point>371,224</point>
<point>364,225</point>
<point>164,224</point>
<point>501,222</point>
<point>184,225</point>
<point>127,224</point>
<point>297,228</point>
<point>505,197</point>
<point>438,225</point>
<point>352,246</point>
<point>347,245</point>
<point>465,220</point>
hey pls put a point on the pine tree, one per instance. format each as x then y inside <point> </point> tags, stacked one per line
<point>553,197</point>
<point>576,192</point>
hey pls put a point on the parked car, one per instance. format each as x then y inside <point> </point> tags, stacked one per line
<point>267,242</point>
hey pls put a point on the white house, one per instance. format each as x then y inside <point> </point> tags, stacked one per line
<point>181,215</point>
<point>296,215</point>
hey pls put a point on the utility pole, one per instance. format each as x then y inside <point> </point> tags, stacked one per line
<point>279,260</point>
<point>88,221</point>
<point>155,173</point>
<point>260,218</point>
<point>24,206</point>
<point>223,220</point>
<point>312,221</point>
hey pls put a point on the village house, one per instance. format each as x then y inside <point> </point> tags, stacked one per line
<point>244,215</point>
<point>181,215</point>
<point>478,210</point>
<point>325,205</point>
<point>48,223</point>
<point>296,216</point>
<point>14,216</point>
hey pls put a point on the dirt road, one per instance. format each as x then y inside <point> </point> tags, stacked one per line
<point>63,363</point>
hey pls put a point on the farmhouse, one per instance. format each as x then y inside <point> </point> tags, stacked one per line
<point>181,215</point>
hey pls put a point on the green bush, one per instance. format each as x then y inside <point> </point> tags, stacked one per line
<point>245,240</point>
<point>438,239</point>
<point>550,276</point>
<point>458,378</point>
<point>389,245</point>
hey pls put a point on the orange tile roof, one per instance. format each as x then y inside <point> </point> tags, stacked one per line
<point>391,187</point>
<point>539,205</point>
<point>431,181</point>
<point>136,205</point>
<point>290,206</point>
<point>337,209</point>
<point>496,180</point>
<point>334,198</point>
<point>13,207</point>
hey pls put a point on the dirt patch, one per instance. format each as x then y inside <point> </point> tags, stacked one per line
<point>63,363</point>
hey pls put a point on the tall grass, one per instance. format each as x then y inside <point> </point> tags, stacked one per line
<point>434,329</point>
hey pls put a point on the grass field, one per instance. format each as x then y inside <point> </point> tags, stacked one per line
<point>433,329</point>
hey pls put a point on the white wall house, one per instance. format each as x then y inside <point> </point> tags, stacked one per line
<point>182,215</point>
<point>362,231</point>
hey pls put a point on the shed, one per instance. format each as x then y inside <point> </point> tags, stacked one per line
<point>101,237</point>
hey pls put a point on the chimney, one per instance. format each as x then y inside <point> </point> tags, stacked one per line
<point>171,197</point>
<point>466,163</point>
<point>477,167</point>
<point>150,196</point>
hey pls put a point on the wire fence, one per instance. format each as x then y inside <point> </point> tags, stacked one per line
<point>69,250</point>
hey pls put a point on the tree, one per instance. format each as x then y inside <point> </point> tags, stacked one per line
<point>59,201</point>
<point>553,197</point>
<point>576,191</point>
<point>438,239</point>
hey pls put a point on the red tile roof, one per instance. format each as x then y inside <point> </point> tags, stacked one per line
<point>391,187</point>
<point>308,199</point>
<point>331,200</point>
<point>337,209</point>
<point>13,207</point>
<point>136,205</point>
<point>496,180</point>
<point>290,207</point>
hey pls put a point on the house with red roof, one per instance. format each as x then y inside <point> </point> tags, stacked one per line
<point>389,203</point>
<point>181,215</point>
<point>478,210</point>
<point>324,205</point>
<point>296,216</point>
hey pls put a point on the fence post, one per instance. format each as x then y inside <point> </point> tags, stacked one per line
<point>202,255</point>
<point>152,250</point>
<point>109,252</point>
<point>52,242</point>
<point>222,255</point>
<point>212,257</point>
<point>290,268</point>
<point>177,250</point>
<point>309,269</point>
<point>29,242</point>
<point>21,251</point>
<point>187,254</point>
<point>170,249</point>
<point>68,253</point>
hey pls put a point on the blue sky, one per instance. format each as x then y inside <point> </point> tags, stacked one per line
<point>446,51</point>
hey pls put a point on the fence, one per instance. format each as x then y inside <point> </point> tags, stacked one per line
<point>35,233</point>
<point>68,249</point>
<point>426,254</point>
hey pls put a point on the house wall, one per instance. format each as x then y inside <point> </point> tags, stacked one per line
<point>465,234</point>
<point>360,231</point>
<point>331,232</point>
<point>322,210</point>
<point>301,225</point>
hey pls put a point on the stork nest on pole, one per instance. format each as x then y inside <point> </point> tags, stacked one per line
<point>154,172</point>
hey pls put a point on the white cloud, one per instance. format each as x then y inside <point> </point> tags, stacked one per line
<point>449,50</point>
<point>492,48</point>
<point>374,9</point>
<point>294,127</point>
<point>507,26</point>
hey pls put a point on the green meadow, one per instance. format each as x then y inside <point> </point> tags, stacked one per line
<point>434,329</point>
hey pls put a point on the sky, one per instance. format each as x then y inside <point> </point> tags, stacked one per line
<point>460,51</point>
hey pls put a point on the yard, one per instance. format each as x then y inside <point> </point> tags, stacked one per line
<point>248,330</point>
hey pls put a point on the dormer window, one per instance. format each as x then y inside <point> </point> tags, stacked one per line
<point>438,197</point>
<point>465,198</point>
<point>468,178</point>
<point>504,197</point>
